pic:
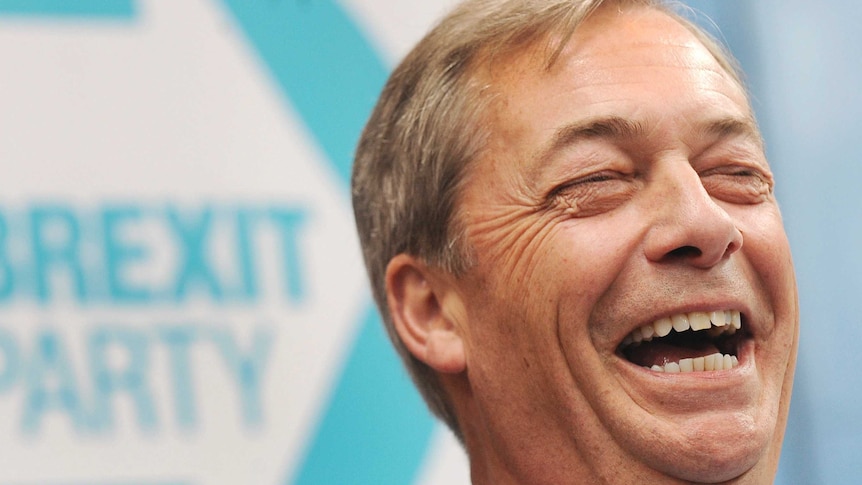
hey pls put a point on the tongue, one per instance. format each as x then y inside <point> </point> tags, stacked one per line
<point>648,354</point>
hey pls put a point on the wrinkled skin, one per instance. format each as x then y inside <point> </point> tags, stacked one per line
<point>625,184</point>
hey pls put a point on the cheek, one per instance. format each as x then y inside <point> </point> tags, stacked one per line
<point>767,251</point>
<point>533,265</point>
<point>538,276</point>
<point>766,246</point>
<point>512,247</point>
<point>512,294</point>
<point>579,265</point>
<point>596,250</point>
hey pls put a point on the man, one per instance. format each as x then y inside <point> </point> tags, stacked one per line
<point>569,224</point>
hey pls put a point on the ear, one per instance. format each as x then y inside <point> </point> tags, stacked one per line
<point>424,309</point>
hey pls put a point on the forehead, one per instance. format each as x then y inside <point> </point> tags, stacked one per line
<point>611,35</point>
<point>636,63</point>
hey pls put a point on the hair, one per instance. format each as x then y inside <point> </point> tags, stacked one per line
<point>427,128</point>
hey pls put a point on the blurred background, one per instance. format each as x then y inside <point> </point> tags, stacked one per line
<point>182,299</point>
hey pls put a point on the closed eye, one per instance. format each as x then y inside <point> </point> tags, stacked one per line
<point>592,194</point>
<point>738,184</point>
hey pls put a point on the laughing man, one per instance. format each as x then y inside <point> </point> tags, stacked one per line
<point>570,228</point>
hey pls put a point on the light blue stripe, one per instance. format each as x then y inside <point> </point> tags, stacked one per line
<point>323,65</point>
<point>101,483</point>
<point>376,429</point>
<point>122,9</point>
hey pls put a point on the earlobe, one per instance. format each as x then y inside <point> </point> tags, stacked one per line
<point>423,311</point>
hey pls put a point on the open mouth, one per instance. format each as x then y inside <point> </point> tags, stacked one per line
<point>686,342</point>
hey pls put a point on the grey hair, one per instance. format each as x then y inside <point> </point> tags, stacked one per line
<point>427,128</point>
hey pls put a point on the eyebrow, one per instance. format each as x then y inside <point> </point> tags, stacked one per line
<point>731,126</point>
<point>618,128</point>
<point>612,127</point>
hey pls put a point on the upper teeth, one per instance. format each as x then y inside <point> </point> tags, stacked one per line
<point>716,322</point>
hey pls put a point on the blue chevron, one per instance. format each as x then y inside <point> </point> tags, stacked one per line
<point>321,63</point>
<point>375,430</point>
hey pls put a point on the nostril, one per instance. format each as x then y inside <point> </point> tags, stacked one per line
<point>684,240</point>
<point>684,252</point>
<point>733,246</point>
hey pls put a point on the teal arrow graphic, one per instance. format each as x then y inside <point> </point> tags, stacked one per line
<point>375,430</point>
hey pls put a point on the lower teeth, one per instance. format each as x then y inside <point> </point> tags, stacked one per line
<point>716,361</point>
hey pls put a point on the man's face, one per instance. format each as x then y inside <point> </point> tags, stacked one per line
<point>623,190</point>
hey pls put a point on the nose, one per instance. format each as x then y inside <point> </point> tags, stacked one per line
<point>688,225</point>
